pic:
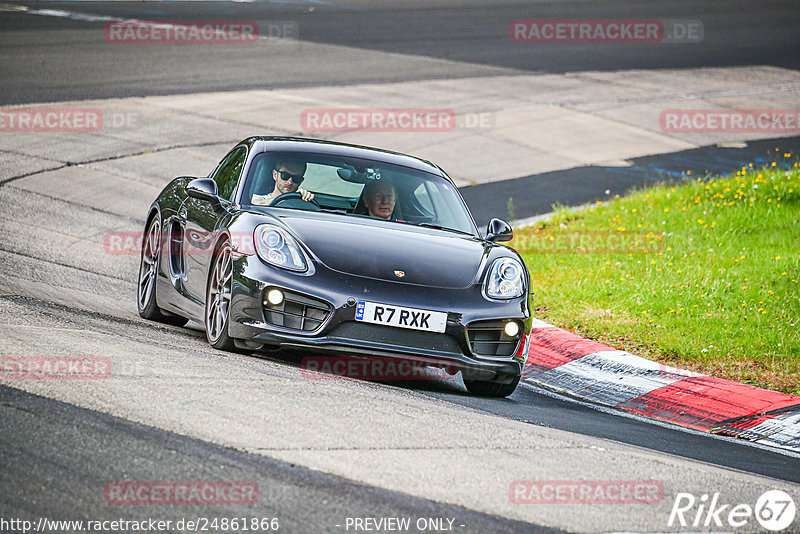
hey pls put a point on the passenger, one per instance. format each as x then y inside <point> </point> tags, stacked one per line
<point>288,175</point>
<point>379,198</point>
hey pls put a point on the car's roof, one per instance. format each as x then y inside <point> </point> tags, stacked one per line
<point>319,146</point>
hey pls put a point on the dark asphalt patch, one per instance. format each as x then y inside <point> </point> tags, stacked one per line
<point>58,458</point>
<point>536,194</point>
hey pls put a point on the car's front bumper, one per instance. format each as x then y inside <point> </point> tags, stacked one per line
<point>340,333</point>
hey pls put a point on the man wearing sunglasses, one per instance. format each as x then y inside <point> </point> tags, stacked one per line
<point>288,175</point>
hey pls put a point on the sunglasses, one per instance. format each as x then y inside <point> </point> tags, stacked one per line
<point>287,176</point>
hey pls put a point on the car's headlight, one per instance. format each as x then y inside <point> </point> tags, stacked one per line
<point>274,245</point>
<point>505,279</point>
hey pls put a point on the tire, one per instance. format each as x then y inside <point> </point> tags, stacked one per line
<point>218,299</point>
<point>148,278</point>
<point>486,388</point>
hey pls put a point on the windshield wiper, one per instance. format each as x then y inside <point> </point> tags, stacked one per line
<point>329,210</point>
<point>440,227</point>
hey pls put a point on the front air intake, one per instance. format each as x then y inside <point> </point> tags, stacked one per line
<point>488,339</point>
<point>297,312</point>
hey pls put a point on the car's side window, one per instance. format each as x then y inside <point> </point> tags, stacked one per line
<point>228,172</point>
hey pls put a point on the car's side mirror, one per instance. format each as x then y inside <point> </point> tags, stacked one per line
<point>204,189</point>
<point>499,230</point>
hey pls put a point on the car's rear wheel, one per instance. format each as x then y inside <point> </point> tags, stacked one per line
<point>218,299</point>
<point>148,278</point>
<point>488,388</point>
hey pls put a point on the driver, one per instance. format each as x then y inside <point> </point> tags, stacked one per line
<point>288,175</point>
<point>380,197</point>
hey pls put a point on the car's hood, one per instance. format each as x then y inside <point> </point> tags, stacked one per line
<point>391,251</point>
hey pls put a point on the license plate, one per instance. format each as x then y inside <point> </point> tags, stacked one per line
<point>430,321</point>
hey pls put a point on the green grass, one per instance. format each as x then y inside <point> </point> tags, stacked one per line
<point>702,276</point>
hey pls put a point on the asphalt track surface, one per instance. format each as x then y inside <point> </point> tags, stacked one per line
<point>55,454</point>
<point>45,58</point>
<point>302,499</point>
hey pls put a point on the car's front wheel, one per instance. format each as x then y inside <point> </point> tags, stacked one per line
<point>488,388</point>
<point>148,278</point>
<point>218,299</point>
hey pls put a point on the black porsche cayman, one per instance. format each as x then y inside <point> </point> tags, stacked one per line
<point>248,252</point>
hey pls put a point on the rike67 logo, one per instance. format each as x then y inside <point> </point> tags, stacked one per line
<point>774,510</point>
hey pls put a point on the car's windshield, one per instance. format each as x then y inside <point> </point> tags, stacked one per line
<point>356,187</point>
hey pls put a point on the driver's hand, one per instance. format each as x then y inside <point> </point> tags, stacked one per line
<point>307,195</point>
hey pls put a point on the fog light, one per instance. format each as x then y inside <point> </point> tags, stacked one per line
<point>512,329</point>
<point>275,296</point>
